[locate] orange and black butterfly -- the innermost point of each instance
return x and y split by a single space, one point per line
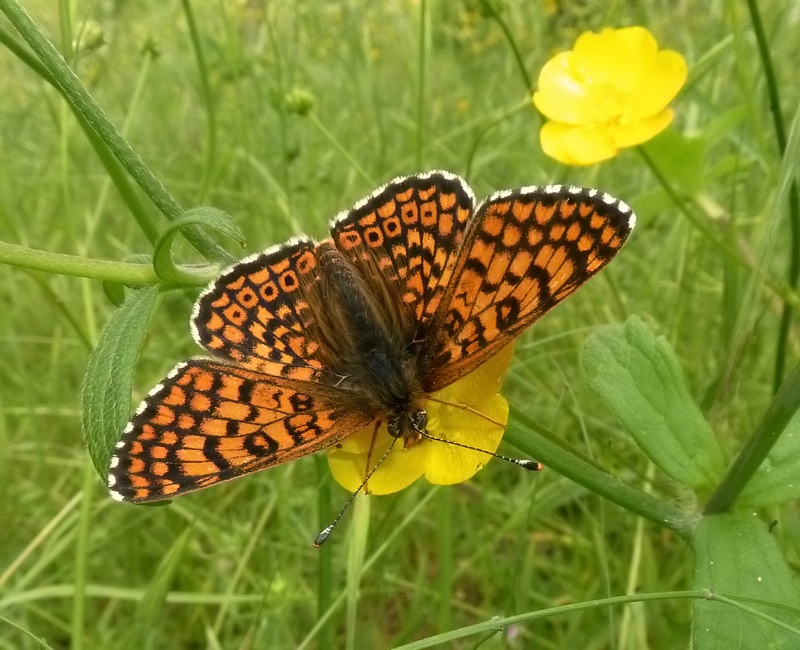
312 342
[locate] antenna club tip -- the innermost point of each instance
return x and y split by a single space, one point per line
532 465
322 537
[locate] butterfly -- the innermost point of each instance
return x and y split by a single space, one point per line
311 342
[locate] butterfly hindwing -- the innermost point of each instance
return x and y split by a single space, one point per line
209 422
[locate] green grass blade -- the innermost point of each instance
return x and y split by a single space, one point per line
771 456
150 611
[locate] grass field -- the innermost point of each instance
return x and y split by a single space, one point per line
220 114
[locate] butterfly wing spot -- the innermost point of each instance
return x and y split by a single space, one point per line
544 213
511 236
268 292
247 298
409 213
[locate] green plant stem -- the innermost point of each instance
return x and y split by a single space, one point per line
389 541
118 176
325 552
65 24
785 404
26 57
793 272
84 267
785 293
488 5
84 105
499 623
61 306
531 439
356 552
79 605
114 169
312 117
421 63
208 102
445 554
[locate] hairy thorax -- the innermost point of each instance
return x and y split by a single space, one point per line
367 352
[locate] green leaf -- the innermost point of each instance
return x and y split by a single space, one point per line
115 292
778 478
108 382
721 125
213 218
637 375
680 158
735 555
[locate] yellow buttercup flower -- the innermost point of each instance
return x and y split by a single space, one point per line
473 417
611 91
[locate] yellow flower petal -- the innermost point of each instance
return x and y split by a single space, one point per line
562 96
615 57
661 82
348 462
610 91
448 464
472 400
577 145
628 135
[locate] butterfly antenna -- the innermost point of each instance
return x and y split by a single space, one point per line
326 532
532 465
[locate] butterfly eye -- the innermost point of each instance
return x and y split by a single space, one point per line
393 427
419 420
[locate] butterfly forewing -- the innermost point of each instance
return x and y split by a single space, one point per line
257 313
405 238
209 422
525 251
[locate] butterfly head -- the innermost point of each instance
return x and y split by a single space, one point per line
409 425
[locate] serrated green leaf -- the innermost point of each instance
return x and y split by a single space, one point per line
735 555
108 382
637 375
207 217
